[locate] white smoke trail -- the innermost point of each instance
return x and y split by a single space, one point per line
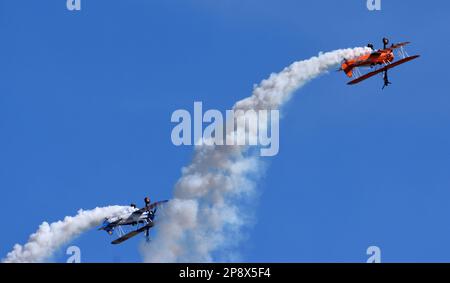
205 214
50 237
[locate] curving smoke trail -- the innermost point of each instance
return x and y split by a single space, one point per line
50 237
204 215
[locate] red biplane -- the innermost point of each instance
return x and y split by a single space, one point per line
382 60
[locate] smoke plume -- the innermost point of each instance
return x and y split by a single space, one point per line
206 214
50 237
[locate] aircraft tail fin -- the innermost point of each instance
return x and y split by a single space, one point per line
349 73
348 70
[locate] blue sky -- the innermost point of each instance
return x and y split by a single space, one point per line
86 99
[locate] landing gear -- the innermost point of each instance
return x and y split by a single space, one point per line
386 80
147 235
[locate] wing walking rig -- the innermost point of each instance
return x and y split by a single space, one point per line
380 60
135 221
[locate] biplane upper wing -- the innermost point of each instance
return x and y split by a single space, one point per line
398 45
372 56
375 54
156 204
132 234
390 66
136 214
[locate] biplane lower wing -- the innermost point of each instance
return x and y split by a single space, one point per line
132 234
390 66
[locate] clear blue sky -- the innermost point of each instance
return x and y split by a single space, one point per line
86 99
